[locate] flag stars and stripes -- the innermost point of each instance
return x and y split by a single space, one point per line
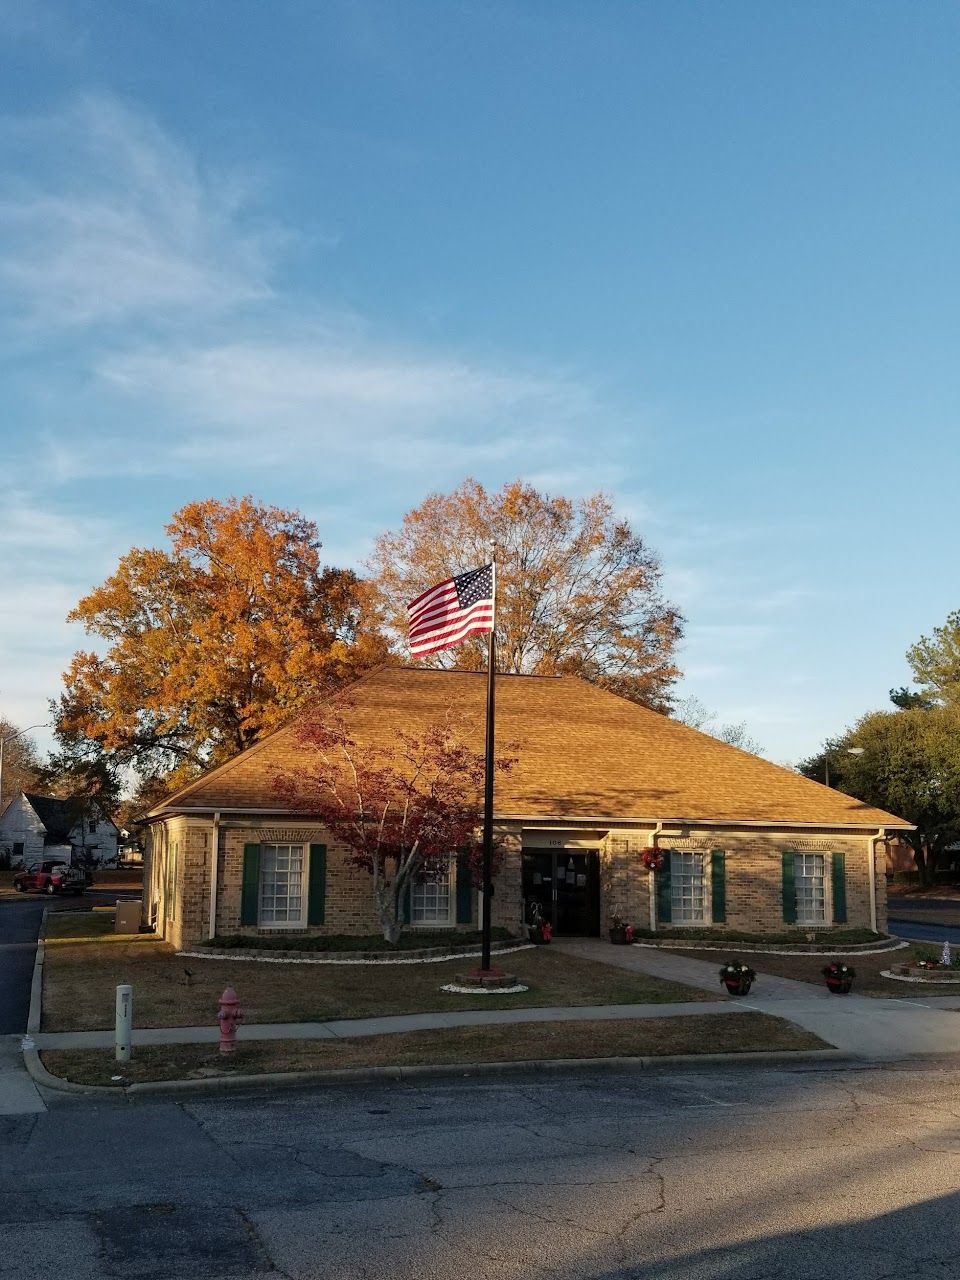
452 610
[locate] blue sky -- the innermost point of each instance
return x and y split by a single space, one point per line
703 256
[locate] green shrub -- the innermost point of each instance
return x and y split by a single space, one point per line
415 940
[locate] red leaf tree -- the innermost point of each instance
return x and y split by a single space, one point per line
401 810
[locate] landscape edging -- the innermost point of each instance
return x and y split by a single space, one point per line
756 949
263 956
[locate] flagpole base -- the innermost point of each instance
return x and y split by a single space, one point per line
487 980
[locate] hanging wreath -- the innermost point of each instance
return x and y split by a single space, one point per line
652 859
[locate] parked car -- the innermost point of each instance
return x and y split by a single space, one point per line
51 877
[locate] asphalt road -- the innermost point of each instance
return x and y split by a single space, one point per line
938 933
731 1173
19 927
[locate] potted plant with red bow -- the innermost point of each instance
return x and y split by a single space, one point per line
621 931
737 977
538 929
839 977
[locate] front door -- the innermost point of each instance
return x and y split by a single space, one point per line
566 885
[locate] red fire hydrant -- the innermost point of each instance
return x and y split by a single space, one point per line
229 1017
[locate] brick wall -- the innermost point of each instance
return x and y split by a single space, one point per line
753 876
754 881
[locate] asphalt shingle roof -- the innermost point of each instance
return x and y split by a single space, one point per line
583 753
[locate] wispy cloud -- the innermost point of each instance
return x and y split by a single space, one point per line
118 222
396 409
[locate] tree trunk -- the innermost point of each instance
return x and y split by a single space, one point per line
924 869
389 896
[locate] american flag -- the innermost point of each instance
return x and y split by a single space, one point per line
452 610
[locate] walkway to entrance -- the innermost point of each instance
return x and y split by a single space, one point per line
865 1026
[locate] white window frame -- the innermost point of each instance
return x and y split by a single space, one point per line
705 862
427 892
827 917
297 922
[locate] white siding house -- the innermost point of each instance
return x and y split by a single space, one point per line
35 827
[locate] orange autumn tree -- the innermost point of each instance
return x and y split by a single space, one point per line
214 641
578 590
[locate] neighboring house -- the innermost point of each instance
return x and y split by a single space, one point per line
746 845
35 827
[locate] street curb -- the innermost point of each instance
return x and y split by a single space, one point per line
440 1071
36 982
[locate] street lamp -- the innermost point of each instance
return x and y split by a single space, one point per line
850 751
12 737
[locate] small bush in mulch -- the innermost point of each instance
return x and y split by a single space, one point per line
415 940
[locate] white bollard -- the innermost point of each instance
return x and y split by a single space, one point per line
124 1035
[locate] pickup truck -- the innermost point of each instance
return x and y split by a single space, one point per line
51 877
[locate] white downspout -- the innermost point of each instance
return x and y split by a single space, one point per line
872 872
214 871
652 844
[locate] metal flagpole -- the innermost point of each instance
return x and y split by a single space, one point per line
488 779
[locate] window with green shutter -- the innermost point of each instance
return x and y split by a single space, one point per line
250 891
789 888
718 886
664 891
465 893
838 872
317 884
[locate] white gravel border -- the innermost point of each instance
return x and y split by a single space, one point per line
483 991
254 959
749 949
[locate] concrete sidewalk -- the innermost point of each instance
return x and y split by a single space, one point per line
860 1025
673 966
19 1096
352 1027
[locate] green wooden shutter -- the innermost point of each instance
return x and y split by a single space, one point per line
789 889
464 890
839 873
664 897
317 884
250 892
718 882
405 909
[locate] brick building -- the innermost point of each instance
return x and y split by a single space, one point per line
745 844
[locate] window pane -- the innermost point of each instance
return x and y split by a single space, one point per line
811 888
687 889
281 884
430 900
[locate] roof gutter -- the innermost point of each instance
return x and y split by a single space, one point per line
214 872
578 820
872 872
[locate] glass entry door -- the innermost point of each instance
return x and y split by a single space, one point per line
566 885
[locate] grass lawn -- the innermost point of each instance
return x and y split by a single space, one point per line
805 968
916 914
654 1037
126 878
80 976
